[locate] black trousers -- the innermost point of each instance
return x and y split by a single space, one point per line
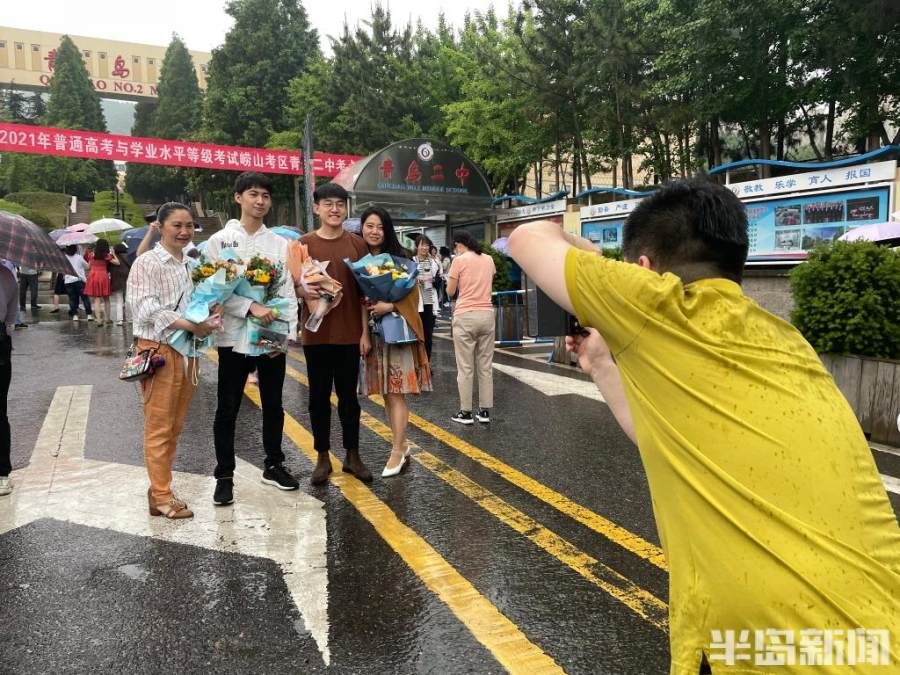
233 370
333 366
26 282
5 377
428 319
75 291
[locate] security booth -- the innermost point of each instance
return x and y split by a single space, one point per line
426 185
523 312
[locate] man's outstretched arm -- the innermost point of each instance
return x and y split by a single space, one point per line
540 249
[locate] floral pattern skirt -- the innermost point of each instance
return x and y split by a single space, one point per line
391 369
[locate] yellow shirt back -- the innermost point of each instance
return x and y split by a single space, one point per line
769 506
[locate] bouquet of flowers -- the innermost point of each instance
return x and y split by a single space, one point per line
384 277
261 282
214 282
309 272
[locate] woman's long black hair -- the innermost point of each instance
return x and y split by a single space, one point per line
101 249
391 243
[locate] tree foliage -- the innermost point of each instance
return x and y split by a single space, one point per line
174 115
270 43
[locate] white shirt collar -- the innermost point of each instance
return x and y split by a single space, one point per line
164 256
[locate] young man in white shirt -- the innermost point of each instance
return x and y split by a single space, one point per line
249 237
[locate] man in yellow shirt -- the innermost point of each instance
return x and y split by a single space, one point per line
783 549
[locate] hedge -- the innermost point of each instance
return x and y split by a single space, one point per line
105 207
35 217
53 206
847 299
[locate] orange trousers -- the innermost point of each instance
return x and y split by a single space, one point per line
167 395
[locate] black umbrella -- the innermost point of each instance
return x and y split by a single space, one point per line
26 244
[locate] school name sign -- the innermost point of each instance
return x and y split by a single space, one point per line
94 145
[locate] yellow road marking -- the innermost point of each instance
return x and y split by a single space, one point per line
581 514
512 649
641 602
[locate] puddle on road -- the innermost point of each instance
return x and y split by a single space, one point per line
135 572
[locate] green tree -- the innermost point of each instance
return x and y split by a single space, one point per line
270 43
37 108
73 104
497 120
175 115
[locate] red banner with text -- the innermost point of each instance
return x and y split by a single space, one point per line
94 145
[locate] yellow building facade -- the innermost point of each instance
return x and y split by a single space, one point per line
117 69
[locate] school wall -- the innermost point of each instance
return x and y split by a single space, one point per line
770 288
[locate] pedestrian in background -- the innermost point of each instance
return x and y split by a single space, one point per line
28 281
427 280
59 290
75 283
395 370
8 294
97 285
446 261
471 278
158 291
118 282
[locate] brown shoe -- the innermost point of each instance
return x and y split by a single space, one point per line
323 469
354 465
174 509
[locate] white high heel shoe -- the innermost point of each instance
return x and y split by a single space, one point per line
387 473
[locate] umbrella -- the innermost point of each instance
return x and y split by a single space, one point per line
883 232
108 225
24 243
75 238
56 234
287 232
502 245
77 227
132 239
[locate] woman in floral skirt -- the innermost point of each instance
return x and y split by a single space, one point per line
394 370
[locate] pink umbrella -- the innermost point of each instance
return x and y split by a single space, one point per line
874 232
77 227
75 238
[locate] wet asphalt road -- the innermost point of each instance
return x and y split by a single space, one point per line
539 524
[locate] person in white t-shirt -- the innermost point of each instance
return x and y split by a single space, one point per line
248 237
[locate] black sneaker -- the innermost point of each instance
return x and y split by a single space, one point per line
279 477
483 416
463 417
224 493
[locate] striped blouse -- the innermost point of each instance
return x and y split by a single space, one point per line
159 288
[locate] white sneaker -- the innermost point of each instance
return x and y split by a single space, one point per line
120 323
74 317
5 486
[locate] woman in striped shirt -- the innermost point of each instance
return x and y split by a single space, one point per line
159 288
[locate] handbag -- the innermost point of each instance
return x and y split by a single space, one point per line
394 330
139 365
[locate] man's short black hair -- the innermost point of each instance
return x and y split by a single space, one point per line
693 228
330 191
252 179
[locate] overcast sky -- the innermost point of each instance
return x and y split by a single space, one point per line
203 23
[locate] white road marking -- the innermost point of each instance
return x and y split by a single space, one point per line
891 484
550 384
287 527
